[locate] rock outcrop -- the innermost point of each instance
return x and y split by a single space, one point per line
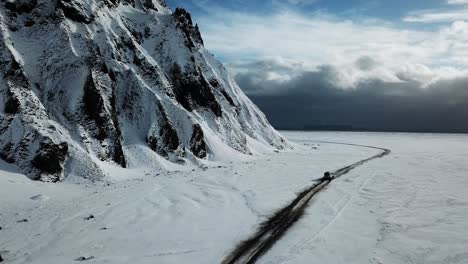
88 82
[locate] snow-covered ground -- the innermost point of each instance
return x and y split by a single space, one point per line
409 207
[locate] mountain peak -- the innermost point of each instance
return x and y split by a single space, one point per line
126 82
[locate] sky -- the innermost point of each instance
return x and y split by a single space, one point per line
395 65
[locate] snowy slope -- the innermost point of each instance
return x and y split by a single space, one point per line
88 83
409 207
174 217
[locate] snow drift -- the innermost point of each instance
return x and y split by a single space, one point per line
90 82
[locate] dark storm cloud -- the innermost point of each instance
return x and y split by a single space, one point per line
366 63
312 100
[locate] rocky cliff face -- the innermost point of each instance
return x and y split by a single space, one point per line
89 82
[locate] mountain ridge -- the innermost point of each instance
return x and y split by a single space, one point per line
126 82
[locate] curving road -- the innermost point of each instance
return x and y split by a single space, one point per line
272 229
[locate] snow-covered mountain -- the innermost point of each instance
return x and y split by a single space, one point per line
85 83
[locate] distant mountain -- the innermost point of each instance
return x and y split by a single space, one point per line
85 83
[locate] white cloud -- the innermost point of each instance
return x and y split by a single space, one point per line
450 14
308 42
457 2
301 2
436 16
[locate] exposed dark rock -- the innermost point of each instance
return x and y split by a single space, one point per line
178 80
197 143
214 83
197 35
12 105
23 221
15 74
89 217
1 259
202 95
185 24
182 16
137 61
104 68
72 12
167 139
14 67
149 4
112 3
128 42
50 158
14 70
6 153
84 258
129 2
94 107
118 154
191 91
20 6
117 102
137 35
228 98
113 75
163 3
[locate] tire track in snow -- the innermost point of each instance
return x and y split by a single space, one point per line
336 214
272 229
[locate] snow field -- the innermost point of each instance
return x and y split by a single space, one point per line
166 217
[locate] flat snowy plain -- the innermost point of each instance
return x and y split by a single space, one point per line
408 207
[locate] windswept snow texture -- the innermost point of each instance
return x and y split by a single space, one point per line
88 83
173 217
408 207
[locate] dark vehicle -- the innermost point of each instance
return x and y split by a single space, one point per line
327 177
